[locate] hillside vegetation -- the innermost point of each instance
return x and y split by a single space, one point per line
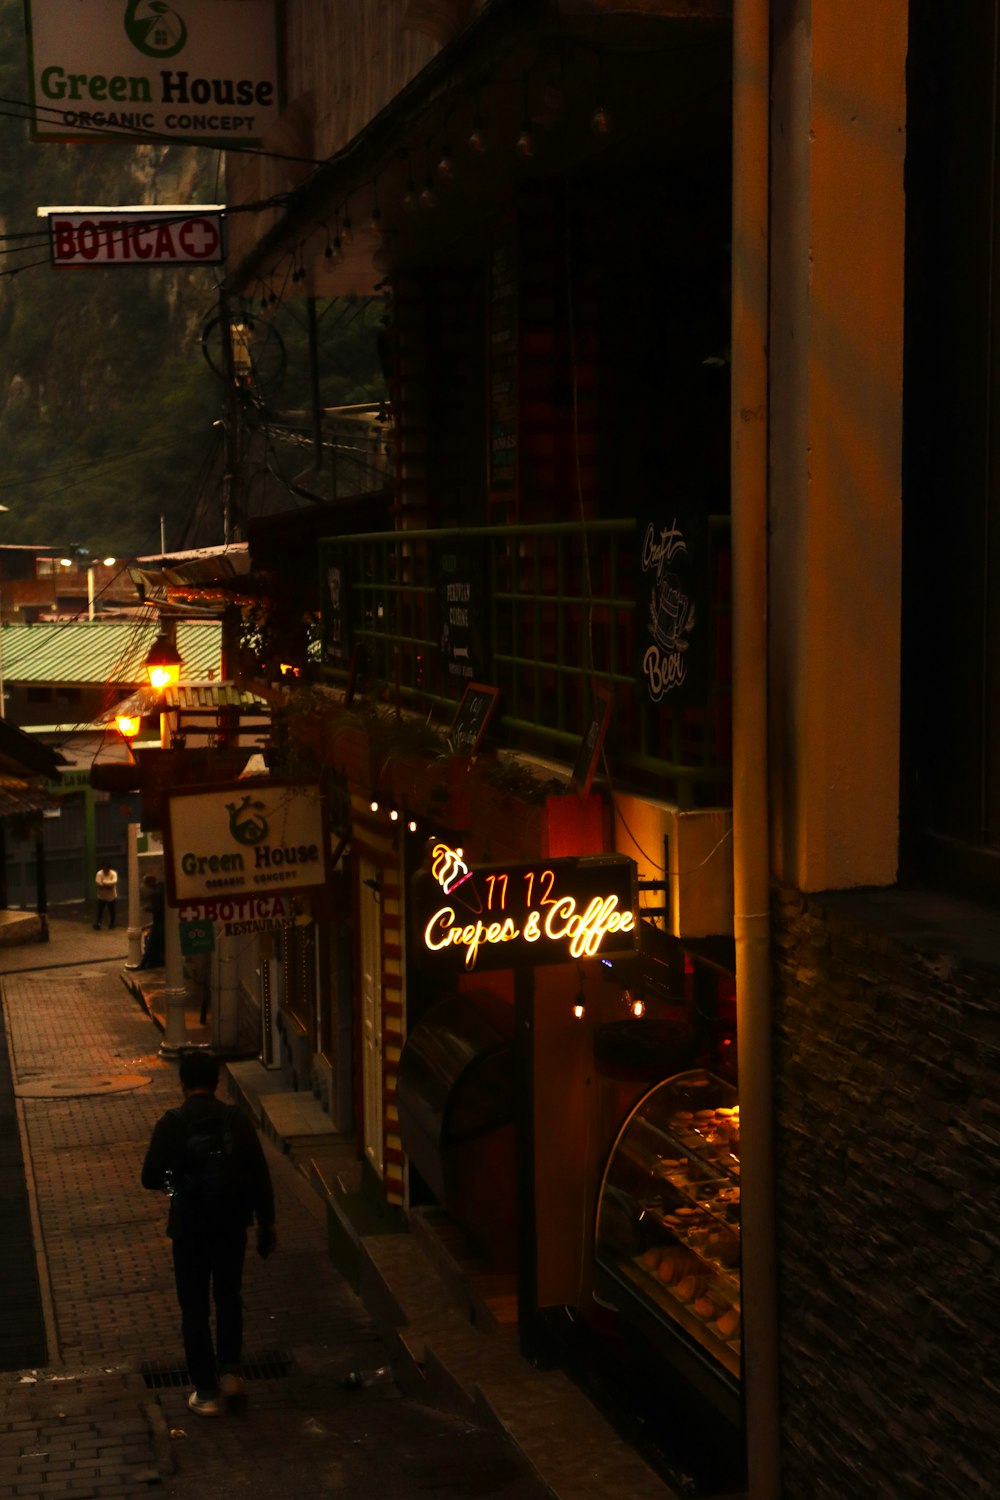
109 411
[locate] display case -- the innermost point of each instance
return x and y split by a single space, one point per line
667 1245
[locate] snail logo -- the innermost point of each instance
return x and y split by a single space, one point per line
154 28
247 823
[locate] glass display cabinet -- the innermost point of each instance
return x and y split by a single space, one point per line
667 1246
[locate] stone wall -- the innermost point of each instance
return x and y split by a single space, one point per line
887 1072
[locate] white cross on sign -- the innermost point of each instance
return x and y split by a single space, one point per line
130 237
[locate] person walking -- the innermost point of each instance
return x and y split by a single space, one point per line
106 881
208 1157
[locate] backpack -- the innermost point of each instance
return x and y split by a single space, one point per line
208 1180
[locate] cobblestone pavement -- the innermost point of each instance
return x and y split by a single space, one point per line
90 1084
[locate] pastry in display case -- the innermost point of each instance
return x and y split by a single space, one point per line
668 1217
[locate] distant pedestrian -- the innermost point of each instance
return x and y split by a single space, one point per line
106 881
208 1156
154 902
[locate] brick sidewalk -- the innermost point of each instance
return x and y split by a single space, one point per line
92 1423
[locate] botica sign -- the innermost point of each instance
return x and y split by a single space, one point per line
251 839
199 71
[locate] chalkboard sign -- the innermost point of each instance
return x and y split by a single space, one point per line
474 713
592 742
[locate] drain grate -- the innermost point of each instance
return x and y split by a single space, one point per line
162 1374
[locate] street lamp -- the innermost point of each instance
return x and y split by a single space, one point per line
127 726
163 663
108 562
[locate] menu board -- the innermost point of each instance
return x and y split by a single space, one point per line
503 361
463 607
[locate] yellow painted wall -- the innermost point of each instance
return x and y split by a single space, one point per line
838 142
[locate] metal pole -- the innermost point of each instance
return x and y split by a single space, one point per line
134 900
175 1036
231 529
40 886
527 1212
751 824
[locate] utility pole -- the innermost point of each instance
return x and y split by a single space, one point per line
232 530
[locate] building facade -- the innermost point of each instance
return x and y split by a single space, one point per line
671 313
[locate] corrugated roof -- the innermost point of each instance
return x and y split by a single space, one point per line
186 697
102 651
18 796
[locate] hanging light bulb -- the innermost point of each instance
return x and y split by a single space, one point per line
638 1009
374 804
375 224
600 121
525 145
412 825
394 815
346 228
427 197
477 135
579 1008
446 165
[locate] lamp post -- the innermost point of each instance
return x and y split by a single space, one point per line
163 668
108 562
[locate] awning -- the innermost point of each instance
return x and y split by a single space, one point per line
18 797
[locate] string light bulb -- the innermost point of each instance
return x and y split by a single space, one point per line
579 1009
346 228
374 805
477 135
600 121
446 165
525 145
638 1009
427 198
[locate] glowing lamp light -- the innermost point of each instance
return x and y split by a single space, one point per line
127 725
638 1008
394 815
412 825
579 1009
163 664
374 805
600 122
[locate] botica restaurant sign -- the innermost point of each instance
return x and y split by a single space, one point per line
196 71
253 838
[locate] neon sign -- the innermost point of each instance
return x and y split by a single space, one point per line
502 916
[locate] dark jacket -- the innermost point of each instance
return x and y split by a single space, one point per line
166 1154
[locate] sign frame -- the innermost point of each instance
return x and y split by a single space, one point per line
219 85
524 916
243 865
592 743
121 236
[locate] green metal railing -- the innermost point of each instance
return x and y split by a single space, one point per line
560 619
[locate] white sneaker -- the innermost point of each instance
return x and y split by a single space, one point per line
205 1406
232 1385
